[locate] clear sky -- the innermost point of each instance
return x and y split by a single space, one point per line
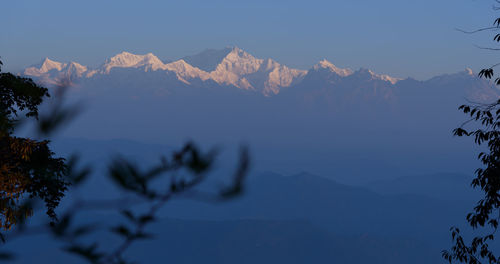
397 37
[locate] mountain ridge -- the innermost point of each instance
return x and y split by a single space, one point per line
231 66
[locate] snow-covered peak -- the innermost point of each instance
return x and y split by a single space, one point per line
56 73
245 71
179 65
324 64
79 70
76 67
239 62
280 76
388 78
48 64
234 66
230 66
185 71
44 67
129 60
469 71
270 64
374 76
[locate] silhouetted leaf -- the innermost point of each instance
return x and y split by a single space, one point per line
486 73
5 256
121 230
146 219
497 37
88 252
497 22
129 215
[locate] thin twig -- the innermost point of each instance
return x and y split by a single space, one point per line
477 30
486 48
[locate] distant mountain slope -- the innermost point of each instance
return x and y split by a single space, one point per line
264 241
247 242
341 209
401 227
400 213
445 186
208 59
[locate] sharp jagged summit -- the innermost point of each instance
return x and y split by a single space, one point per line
324 64
231 66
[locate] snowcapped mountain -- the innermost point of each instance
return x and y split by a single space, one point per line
208 59
229 95
237 70
185 72
324 64
129 60
244 71
55 73
228 67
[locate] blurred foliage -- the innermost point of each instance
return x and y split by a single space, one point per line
28 168
142 184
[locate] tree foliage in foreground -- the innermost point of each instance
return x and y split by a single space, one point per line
484 126
486 213
27 166
28 171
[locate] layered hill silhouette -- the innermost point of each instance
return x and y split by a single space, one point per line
251 241
298 218
339 208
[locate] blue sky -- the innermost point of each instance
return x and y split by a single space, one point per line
397 37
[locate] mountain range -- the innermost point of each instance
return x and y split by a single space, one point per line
234 71
227 67
230 66
295 218
348 125
326 118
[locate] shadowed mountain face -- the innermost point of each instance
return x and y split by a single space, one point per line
208 59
